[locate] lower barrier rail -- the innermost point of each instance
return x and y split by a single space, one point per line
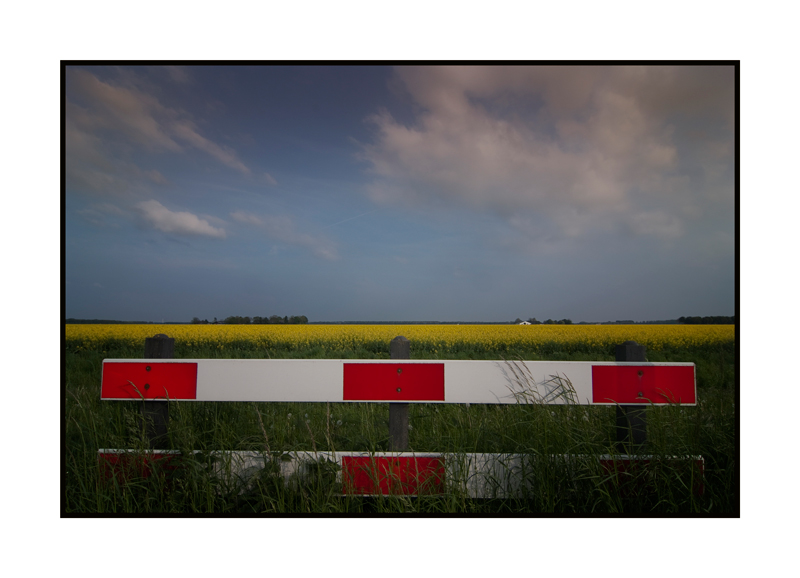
473 475
631 384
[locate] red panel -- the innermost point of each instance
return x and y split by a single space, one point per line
394 381
149 380
643 384
388 475
128 465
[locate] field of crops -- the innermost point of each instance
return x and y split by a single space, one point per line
429 340
707 429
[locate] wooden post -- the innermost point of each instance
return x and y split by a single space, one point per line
399 348
155 413
631 419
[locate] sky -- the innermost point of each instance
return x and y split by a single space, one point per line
409 193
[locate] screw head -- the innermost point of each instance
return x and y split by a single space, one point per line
147 368
399 370
147 386
398 389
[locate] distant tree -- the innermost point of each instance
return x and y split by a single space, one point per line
196 320
517 321
534 321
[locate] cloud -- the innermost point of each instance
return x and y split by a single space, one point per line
159 217
108 123
92 167
269 179
243 217
283 229
179 74
657 223
101 214
609 142
156 177
187 131
139 117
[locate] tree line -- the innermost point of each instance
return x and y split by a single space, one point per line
237 320
709 320
714 320
534 321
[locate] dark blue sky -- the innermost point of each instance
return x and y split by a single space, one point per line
411 193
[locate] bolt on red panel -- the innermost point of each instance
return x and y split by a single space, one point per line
149 380
393 382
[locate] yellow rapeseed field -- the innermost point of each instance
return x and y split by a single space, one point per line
434 338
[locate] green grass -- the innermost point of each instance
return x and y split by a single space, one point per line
553 485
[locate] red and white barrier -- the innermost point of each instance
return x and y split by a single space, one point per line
404 381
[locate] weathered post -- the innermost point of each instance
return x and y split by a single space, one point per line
399 348
631 419
155 413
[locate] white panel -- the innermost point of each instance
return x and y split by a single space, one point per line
315 380
513 381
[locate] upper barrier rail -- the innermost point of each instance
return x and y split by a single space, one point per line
400 381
